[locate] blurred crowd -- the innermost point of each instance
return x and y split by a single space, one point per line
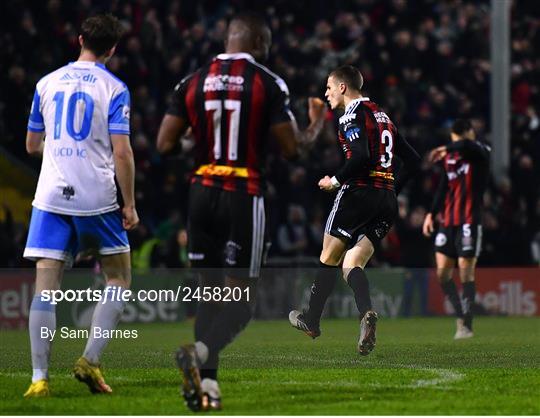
426 62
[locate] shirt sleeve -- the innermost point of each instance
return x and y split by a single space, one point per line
359 151
177 105
472 150
119 110
440 194
35 121
280 103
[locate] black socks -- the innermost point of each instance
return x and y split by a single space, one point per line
206 314
358 282
232 319
321 289
469 293
450 290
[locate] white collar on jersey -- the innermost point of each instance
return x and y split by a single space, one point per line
354 102
236 56
87 64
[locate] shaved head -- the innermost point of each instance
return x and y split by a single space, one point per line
249 33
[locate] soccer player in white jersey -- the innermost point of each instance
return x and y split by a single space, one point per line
79 122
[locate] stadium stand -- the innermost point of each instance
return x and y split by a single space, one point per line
425 61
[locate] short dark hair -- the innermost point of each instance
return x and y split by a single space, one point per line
254 20
101 32
350 75
461 126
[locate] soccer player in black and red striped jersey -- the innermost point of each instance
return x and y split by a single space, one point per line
236 108
465 164
365 206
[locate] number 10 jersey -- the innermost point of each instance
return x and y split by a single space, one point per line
78 107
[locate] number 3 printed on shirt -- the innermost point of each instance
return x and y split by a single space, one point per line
216 107
388 141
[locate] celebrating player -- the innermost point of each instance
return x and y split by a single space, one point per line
235 107
365 206
465 164
79 122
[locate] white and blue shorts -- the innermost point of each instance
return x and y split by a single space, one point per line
62 237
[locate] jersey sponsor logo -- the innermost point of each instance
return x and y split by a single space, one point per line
88 78
440 240
463 169
353 133
381 117
347 118
223 82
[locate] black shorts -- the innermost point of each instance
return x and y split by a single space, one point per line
226 229
459 241
362 211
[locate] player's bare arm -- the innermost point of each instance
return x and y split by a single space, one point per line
171 129
437 154
316 113
290 137
125 174
327 185
427 227
34 143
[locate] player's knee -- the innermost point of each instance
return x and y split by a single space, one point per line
347 269
444 275
329 259
124 282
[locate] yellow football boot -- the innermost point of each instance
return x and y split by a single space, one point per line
89 373
39 389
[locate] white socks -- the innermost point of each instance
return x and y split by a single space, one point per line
106 316
41 324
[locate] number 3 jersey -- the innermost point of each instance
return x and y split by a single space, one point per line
370 142
78 107
230 105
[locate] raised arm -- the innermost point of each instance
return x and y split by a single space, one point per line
283 126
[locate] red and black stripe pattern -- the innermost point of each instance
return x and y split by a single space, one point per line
377 129
463 200
230 105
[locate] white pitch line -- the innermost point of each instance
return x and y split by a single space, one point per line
67 376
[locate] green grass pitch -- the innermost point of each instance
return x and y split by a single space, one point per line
271 368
